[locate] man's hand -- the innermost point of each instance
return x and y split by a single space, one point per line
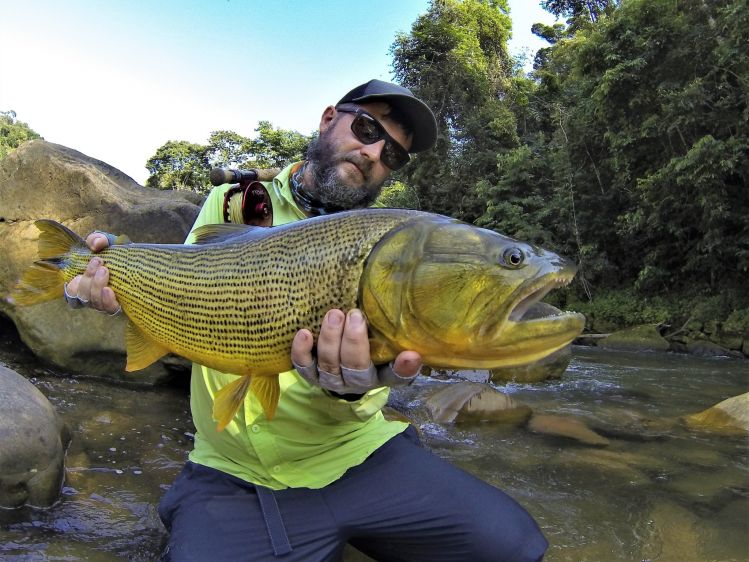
91 289
343 363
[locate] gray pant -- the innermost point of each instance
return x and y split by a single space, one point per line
402 503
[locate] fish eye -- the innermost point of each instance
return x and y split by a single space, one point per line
513 257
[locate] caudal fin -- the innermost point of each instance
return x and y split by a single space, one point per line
44 280
230 397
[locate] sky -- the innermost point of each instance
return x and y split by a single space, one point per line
116 79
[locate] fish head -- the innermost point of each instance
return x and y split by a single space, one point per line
458 295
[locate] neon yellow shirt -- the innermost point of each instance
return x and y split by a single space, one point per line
313 438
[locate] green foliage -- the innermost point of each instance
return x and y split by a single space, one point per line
455 58
184 165
645 116
615 309
737 322
398 195
179 165
13 133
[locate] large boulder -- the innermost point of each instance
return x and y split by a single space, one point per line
637 338
729 416
33 439
45 180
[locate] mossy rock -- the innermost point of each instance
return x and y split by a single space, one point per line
637 338
550 367
707 348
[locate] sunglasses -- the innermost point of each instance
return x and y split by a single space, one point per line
369 131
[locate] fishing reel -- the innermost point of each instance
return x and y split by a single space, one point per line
248 201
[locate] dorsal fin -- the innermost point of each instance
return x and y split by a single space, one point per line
213 233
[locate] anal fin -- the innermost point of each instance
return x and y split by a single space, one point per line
228 399
268 391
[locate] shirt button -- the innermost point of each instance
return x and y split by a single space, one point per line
276 468
255 428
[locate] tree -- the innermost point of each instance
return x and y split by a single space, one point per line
455 58
184 165
13 133
646 118
179 165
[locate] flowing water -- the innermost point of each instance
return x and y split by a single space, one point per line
657 492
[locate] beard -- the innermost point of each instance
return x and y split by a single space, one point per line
330 188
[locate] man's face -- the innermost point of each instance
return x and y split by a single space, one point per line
348 174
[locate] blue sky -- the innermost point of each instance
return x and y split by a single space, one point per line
117 79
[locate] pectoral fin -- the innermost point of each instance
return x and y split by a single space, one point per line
141 351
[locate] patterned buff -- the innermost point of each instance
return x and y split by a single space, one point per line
307 202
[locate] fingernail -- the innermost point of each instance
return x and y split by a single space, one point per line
332 318
100 273
355 317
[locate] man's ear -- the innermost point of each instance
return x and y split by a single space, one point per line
327 118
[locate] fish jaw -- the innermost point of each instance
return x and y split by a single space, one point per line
518 335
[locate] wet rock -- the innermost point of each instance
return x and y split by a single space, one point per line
45 180
615 467
729 416
467 401
707 348
571 428
673 533
636 338
33 439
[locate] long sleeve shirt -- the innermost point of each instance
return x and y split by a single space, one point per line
314 437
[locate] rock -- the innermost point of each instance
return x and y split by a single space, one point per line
636 338
707 348
550 367
33 439
729 416
467 401
561 426
45 180
673 533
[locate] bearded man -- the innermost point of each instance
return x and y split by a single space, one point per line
329 469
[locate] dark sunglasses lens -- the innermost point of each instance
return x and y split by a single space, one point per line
369 131
393 156
366 130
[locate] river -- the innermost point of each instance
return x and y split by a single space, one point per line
657 492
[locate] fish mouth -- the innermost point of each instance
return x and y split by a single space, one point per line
530 329
533 293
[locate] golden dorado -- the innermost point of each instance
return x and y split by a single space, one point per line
234 301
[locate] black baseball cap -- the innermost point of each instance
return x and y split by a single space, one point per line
421 120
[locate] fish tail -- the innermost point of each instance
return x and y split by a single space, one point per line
44 280
230 397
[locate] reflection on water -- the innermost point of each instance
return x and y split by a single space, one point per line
658 492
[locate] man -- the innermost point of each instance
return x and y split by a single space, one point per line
329 469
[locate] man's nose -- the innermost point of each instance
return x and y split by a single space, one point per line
372 151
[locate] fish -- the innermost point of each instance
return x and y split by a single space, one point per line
234 300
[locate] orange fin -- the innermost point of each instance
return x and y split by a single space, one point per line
228 400
141 351
268 391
